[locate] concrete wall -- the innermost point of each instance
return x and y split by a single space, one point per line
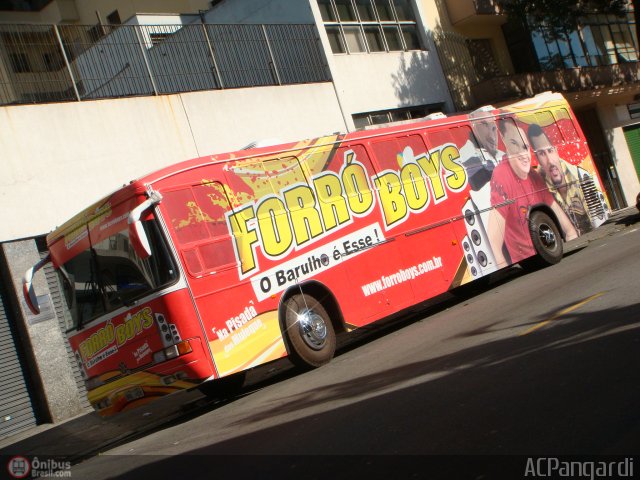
58 158
401 79
58 396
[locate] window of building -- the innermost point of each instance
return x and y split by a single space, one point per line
599 40
20 62
23 5
634 110
52 61
96 32
362 120
114 18
158 37
367 26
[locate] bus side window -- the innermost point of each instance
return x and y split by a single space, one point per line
214 205
395 153
284 172
548 123
184 215
250 181
445 162
387 155
197 215
566 126
408 158
389 159
357 177
317 160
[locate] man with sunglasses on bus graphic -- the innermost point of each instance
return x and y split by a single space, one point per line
514 189
562 183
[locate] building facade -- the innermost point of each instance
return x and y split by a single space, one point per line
489 58
92 12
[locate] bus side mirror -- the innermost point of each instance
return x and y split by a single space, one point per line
139 239
28 292
137 235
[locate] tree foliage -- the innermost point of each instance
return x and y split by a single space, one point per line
555 17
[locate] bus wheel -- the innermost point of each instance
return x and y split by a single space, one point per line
546 240
310 334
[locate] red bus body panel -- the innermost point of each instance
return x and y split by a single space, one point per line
382 219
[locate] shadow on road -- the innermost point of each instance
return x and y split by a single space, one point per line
548 398
629 220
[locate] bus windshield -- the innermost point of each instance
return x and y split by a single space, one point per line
110 274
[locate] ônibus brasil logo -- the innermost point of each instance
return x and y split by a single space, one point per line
19 467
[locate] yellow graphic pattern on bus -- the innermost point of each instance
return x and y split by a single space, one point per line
247 340
283 202
302 213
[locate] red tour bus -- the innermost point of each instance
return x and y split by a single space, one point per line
213 266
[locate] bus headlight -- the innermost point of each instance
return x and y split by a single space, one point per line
171 352
102 404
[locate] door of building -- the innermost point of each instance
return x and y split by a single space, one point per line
17 412
632 135
590 123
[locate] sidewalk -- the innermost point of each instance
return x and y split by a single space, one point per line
89 434
619 220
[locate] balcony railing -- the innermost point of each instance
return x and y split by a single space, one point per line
507 87
52 63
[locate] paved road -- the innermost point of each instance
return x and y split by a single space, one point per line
540 363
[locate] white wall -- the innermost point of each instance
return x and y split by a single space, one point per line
58 158
368 82
364 82
377 81
613 118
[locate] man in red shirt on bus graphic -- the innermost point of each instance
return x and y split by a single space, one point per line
514 180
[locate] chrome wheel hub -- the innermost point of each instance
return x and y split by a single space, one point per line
312 328
547 237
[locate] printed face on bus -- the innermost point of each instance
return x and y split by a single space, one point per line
548 157
517 148
486 132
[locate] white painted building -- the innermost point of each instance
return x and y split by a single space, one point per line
381 58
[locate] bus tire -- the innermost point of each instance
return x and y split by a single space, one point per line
309 332
546 239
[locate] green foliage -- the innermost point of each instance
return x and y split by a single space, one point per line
557 16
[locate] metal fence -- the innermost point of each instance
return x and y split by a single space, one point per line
52 63
457 64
